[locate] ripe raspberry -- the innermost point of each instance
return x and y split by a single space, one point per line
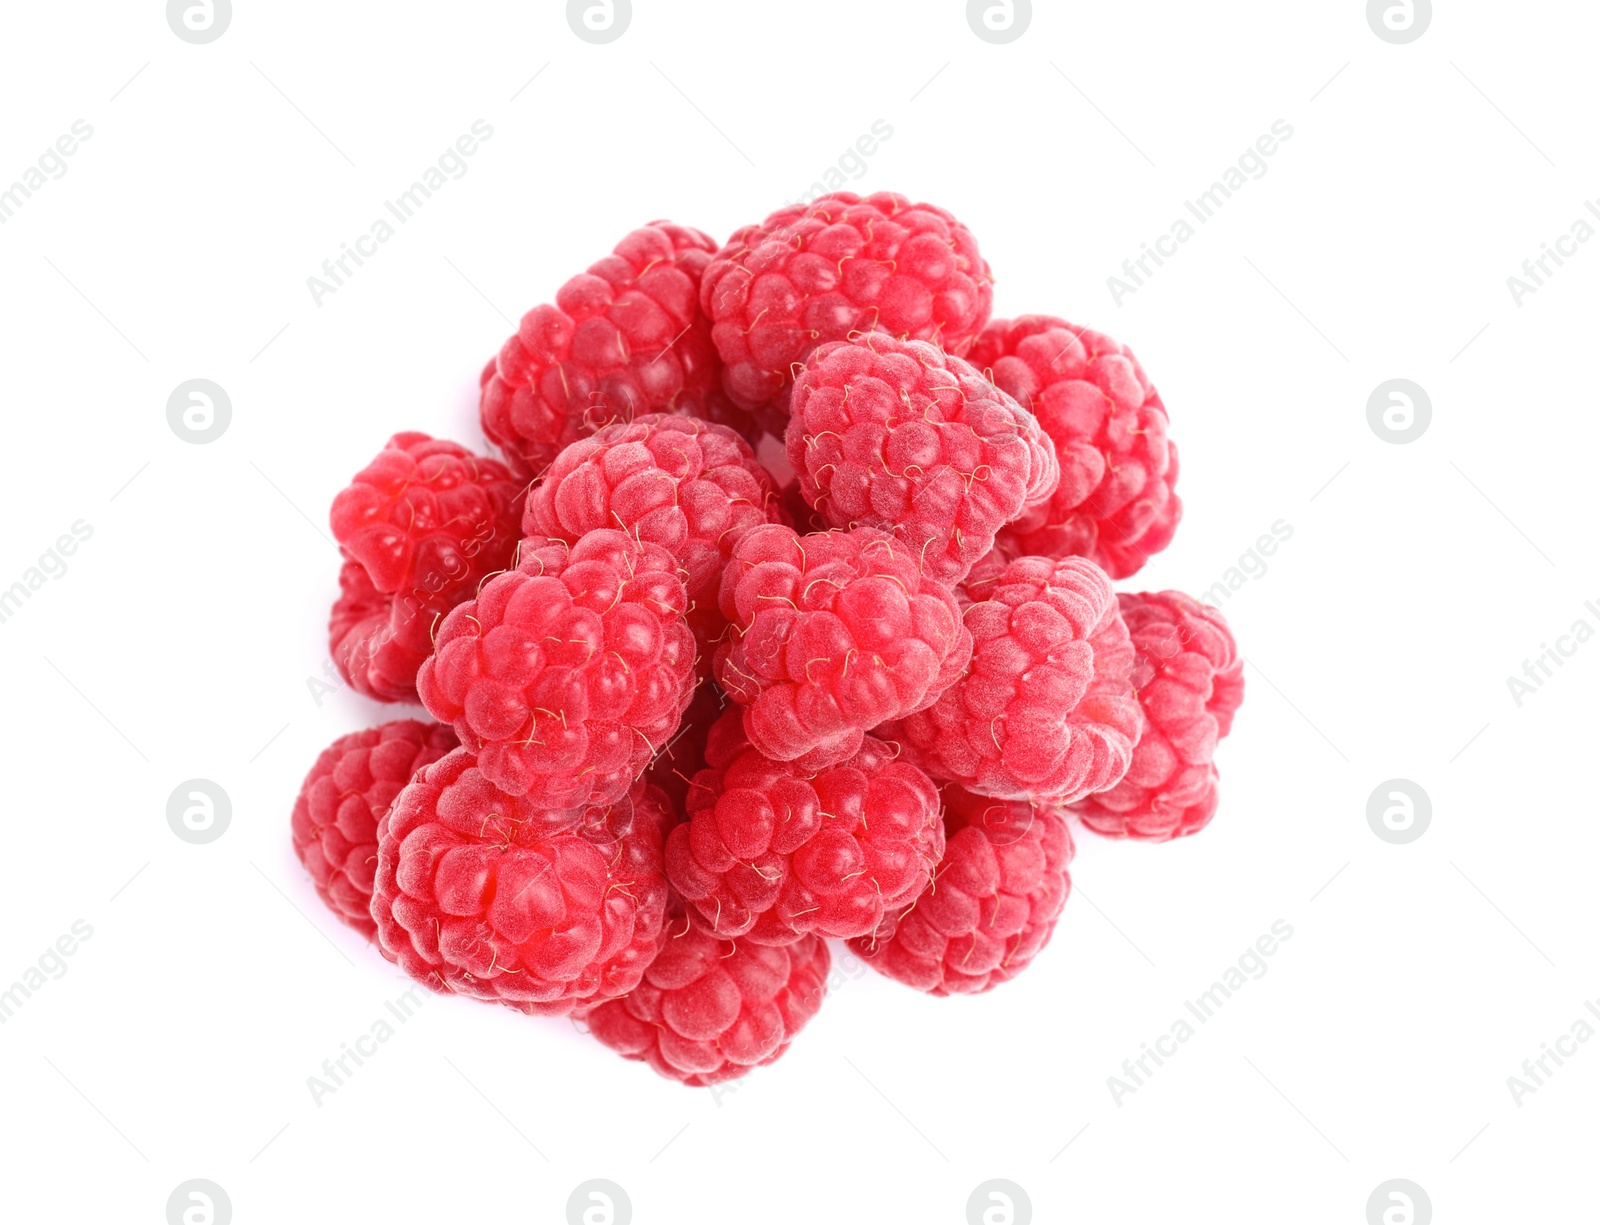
832 634
352 784
811 273
993 903
1190 680
690 486
626 337
566 674
376 642
895 435
709 1010
487 894
1046 711
775 852
1115 503
420 527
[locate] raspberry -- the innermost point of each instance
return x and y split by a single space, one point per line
709 1010
486 894
693 487
895 435
1190 680
420 527
993 903
567 673
352 784
626 337
1046 711
776 852
377 643
811 273
832 634
1115 503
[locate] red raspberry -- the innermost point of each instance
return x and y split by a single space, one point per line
626 337
1190 679
709 1010
566 674
377 643
693 487
811 273
776 852
420 526
487 894
832 634
993 903
1115 503
352 784
1046 711
895 435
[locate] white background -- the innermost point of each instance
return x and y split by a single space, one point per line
1418 578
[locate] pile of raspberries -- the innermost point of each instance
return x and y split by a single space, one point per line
694 712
